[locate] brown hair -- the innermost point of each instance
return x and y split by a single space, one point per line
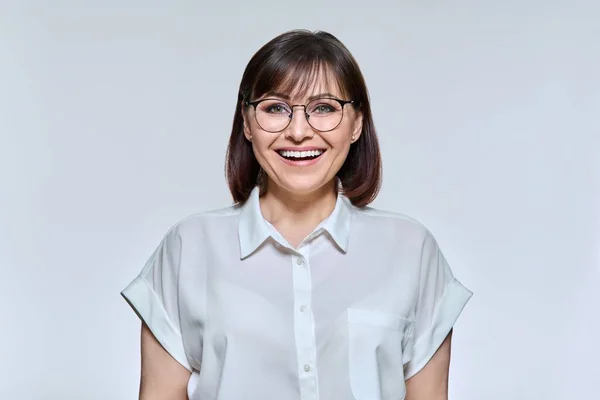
293 61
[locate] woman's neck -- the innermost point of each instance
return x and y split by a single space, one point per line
296 216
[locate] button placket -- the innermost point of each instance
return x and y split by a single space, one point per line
304 327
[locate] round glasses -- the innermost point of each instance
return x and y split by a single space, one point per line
322 114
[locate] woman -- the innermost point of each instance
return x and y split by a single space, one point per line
299 290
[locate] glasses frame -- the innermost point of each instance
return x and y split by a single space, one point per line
255 103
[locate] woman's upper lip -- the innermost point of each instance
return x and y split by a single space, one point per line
306 148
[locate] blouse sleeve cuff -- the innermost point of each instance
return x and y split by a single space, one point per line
144 301
454 300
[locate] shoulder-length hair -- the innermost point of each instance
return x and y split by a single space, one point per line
294 61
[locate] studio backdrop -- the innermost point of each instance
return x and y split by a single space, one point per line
114 121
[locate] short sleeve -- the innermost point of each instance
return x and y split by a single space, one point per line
153 295
440 301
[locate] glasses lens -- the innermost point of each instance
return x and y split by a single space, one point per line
324 114
273 115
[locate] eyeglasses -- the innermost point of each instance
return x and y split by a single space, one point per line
323 114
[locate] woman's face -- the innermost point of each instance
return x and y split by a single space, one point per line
301 159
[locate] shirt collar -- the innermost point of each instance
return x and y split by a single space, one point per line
253 230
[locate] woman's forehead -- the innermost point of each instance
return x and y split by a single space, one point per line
302 86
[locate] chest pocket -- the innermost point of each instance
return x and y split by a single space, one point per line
378 348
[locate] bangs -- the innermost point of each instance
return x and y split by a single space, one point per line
298 77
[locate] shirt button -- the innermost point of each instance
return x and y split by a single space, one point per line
302 308
306 367
299 261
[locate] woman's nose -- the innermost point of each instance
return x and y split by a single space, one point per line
299 128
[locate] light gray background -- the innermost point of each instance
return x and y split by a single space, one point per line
114 119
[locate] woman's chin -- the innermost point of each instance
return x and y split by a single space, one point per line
304 187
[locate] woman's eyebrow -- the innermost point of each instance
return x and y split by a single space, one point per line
321 95
276 94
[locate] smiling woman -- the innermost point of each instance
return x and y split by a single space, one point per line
298 290
304 91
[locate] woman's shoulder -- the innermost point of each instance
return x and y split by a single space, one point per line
212 220
376 218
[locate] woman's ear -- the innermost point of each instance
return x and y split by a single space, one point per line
357 127
246 123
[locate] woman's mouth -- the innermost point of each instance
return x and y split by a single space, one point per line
300 157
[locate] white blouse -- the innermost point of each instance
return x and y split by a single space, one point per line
359 307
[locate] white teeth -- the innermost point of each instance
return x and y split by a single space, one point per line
301 154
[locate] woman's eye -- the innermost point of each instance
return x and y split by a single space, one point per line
323 109
276 109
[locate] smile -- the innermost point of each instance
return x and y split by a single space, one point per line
300 157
